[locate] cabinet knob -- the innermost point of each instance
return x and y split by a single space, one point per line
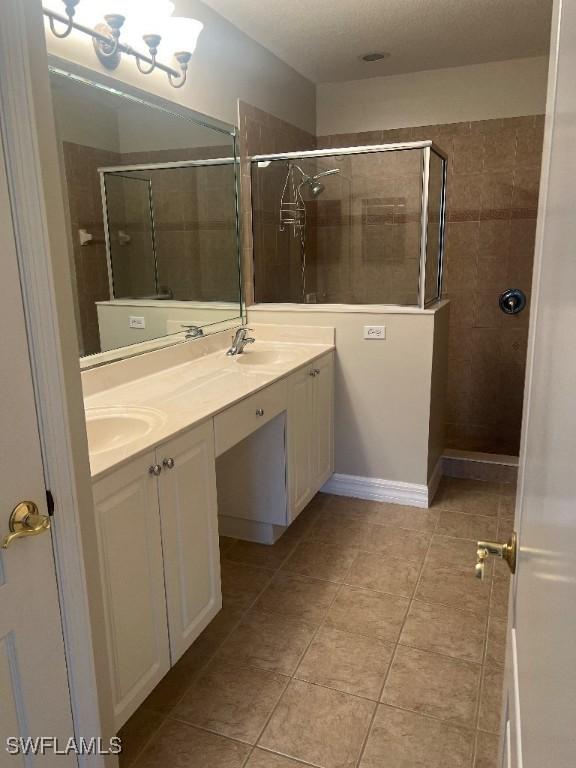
316 371
259 412
155 469
169 463
312 372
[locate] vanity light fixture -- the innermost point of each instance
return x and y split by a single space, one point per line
118 26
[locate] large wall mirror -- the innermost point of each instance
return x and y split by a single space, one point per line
152 200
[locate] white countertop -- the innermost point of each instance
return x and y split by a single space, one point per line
181 396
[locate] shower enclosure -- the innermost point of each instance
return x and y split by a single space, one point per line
170 230
354 225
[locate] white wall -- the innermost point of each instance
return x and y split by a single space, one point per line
385 402
479 92
97 127
141 129
227 66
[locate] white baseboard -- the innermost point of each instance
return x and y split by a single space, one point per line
392 491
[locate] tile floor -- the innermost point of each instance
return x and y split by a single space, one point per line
361 639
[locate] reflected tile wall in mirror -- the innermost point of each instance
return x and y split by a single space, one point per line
172 231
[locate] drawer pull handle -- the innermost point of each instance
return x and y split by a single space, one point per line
169 463
259 412
155 469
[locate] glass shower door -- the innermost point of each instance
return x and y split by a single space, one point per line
131 245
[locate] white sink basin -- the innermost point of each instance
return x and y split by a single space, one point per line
259 357
112 427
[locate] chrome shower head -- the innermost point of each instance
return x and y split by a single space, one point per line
316 187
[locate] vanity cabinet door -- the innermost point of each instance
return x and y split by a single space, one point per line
132 580
322 422
299 453
189 517
310 432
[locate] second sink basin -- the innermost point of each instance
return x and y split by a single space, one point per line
112 427
265 357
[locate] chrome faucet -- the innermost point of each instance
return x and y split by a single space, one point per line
240 340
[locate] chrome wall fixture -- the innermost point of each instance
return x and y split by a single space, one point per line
116 26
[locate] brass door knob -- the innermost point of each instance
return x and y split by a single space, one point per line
507 552
25 520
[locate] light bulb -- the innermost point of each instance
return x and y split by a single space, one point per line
92 12
146 21
180 33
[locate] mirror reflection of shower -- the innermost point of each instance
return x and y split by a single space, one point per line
293 207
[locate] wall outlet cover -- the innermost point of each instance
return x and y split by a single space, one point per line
136 322
375 332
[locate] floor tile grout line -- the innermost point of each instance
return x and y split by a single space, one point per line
289 757
314 635
485 652
273 572
376 708
197 674
291 677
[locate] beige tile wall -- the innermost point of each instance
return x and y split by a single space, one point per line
85 207
272 256
493 184
492 199
195 223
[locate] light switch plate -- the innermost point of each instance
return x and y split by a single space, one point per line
136 322
375 332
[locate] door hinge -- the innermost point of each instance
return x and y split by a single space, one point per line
50 503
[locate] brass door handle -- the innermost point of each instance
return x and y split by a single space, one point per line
507 552
25 520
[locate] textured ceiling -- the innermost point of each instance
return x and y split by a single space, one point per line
323 39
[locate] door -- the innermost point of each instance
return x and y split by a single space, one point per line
299 452
132 581
540 677
34 698
322 420
189 515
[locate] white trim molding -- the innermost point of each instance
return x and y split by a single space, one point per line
22 64
377 489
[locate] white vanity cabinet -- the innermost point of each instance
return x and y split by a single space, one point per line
310 437
256 465
157 535
189 515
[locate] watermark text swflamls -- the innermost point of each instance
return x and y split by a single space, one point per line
51 745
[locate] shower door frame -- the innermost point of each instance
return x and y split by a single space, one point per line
118 169
427 147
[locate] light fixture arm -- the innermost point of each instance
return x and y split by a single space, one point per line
152 42
183 58
70 10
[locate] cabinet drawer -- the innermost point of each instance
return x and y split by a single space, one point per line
239 421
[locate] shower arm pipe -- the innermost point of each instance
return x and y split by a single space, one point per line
307 178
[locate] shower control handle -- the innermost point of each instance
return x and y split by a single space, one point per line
512 301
